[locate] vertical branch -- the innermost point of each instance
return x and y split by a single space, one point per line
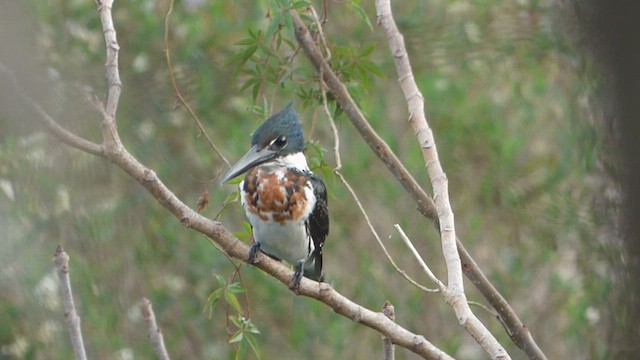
61 260
388 349
109 129
155 335
454 294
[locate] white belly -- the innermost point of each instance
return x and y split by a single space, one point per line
288 241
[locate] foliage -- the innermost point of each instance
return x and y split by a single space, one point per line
508 96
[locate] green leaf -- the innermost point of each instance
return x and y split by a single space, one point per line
238 336
231 197
300 4
221 280
251 340
273 26
363 15
235 288
249 83
232 300
247 41
367 50
212 300
236 321
371 67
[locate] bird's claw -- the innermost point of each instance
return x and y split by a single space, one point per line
253 251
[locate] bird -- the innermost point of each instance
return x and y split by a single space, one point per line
285 203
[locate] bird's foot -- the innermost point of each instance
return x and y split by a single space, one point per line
253 251
297 277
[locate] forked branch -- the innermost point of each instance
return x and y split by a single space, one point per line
426 205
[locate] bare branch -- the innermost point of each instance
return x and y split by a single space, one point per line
344 99
422 263
155 334
61 260
110 136
388 349
520 334
343 180
454 292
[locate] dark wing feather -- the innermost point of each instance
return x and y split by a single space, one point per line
318 222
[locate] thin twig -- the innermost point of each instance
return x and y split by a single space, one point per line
423 264
343 180
176 89
155 334
484 307
58 131
61 260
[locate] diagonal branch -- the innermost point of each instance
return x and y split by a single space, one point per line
58 131
516 329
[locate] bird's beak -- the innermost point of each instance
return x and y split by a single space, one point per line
253 157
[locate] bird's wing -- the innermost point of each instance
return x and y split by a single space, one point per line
318 222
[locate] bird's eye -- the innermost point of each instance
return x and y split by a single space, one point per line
280 142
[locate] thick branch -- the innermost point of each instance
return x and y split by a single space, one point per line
61 260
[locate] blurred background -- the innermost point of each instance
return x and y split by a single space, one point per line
519 119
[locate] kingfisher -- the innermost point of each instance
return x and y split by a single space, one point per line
285 203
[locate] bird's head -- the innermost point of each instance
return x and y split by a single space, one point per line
280 135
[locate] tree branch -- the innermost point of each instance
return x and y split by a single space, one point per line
388 349
426 206
418 120
58 131
155 334
454 292
61 260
